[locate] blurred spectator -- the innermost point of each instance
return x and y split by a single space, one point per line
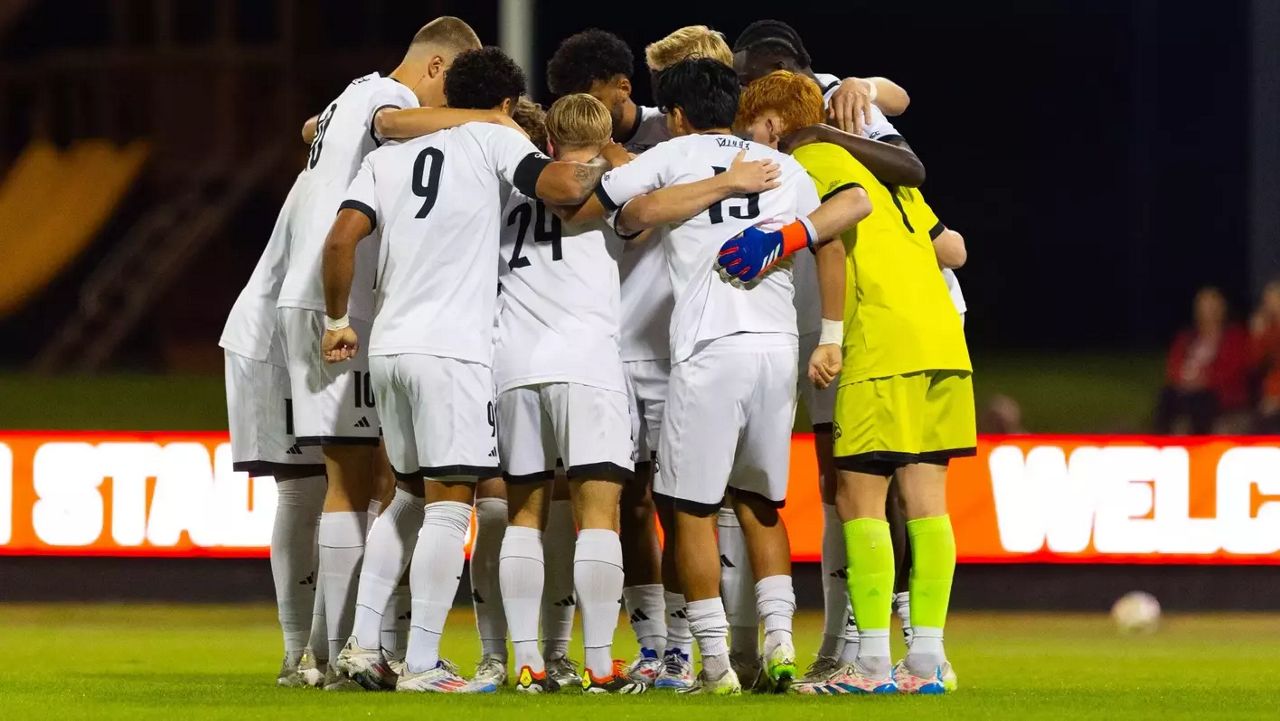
1207 373
1002 415
1265 328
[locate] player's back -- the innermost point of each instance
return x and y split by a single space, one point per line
559 305
707 307
344 136
437 200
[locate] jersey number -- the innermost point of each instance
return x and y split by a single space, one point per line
317 145
543 232
751 210
427 188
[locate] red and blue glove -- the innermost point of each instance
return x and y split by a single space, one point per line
754 251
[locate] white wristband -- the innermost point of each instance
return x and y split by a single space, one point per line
808 226
337 323
832 332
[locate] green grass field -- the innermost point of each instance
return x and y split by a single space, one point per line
192 663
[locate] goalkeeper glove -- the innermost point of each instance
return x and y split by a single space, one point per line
750 254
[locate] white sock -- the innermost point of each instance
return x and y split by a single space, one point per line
387 552
710 626
873 652
341 536
926 653
737 585
647 612
433 579
835 583
557 597
319 642
375 510
849 651
777 606
597 581
395 623
902 607
486 591
522 573
293 557
679 637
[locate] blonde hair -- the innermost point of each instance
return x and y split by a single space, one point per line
578 121
530 116
691 41
448 32
795 98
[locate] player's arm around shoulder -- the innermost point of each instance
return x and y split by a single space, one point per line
677 203
891 164
400 123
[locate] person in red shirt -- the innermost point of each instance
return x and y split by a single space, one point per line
1207 372
1265 357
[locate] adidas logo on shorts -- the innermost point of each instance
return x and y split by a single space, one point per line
363 422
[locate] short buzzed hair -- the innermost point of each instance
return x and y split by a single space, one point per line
691 41
578 120
447 31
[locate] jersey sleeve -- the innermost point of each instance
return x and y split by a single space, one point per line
880 128
360 193
388 94
642 175
920 214
832 169
511 155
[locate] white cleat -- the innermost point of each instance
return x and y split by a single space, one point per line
490 675
310 670
823 669
677 671
442 678
288 676
750 672
645 668
726 685
365 666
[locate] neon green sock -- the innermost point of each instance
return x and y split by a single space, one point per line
870 553
933 566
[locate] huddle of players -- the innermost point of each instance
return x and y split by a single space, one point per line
616 320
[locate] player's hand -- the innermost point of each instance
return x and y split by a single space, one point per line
615 154
751 176
754 251
824 364
339 345
501 118
850 107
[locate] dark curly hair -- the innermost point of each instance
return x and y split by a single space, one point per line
586 57
705 89
481 79
776 38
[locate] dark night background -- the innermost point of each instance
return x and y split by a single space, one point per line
1094 153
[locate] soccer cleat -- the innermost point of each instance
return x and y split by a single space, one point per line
288 675
616 682
726 685
780 667
366 667
334 681
750 672
949 681
850 681
929 685
527 681
646 667
677 671
490 675
823 668
564 671
310 670
441 678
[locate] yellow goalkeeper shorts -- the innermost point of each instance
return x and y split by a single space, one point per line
924 417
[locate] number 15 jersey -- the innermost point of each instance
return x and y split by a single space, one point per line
559 307
435 201
707 307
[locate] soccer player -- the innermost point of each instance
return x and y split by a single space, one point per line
260 417
431 342
904 404
732 390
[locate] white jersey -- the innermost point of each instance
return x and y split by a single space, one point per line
344 136
707 307
251 325
646 286
878 129
436 203
558 308
953 289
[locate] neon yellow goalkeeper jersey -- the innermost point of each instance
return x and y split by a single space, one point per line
898 317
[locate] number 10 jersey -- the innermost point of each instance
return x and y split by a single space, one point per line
559 301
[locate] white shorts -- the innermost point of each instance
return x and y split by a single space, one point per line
332 404
260 417
646 394
438 416
587 429
728 422
819 402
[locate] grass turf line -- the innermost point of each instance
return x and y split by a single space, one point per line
192 663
